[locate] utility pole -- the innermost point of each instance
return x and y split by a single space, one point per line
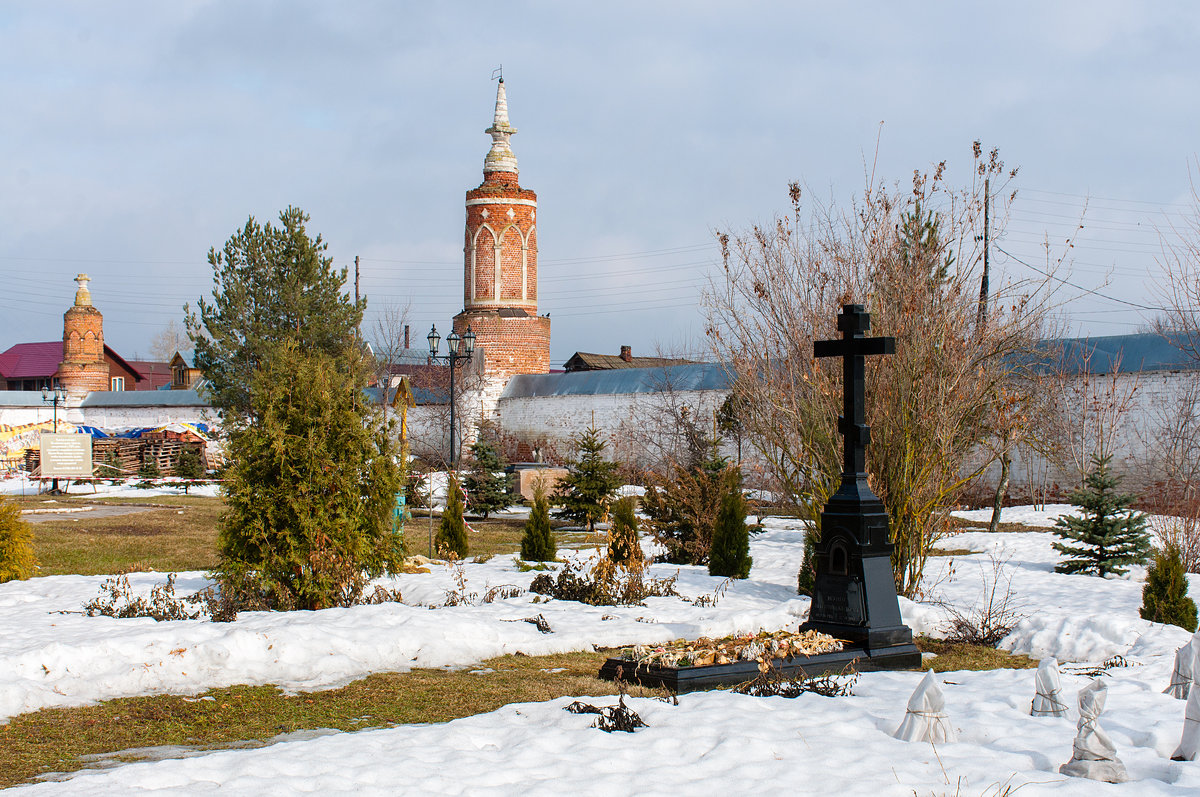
356 279
983 284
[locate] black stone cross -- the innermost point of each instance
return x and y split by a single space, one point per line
853 348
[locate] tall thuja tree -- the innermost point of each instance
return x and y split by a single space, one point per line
1109 536
309 488
271 284
730 552
452 531
486 484
583 495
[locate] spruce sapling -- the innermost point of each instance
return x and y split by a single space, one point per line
591 480
1110 535
1165 598
487 486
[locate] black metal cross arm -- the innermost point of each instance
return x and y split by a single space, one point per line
853 348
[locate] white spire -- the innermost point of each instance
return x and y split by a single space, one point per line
500 158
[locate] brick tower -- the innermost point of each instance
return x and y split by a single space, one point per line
83 367
500 269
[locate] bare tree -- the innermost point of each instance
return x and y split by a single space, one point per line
1180 292
168 340
912 257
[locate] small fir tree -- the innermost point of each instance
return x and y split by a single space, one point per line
486 484
1165 598
189 466
149 470
585 492
1110 534
683 511
17 560
623 545
730 552
537 543
452 532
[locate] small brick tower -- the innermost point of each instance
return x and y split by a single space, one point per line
83 367
500 269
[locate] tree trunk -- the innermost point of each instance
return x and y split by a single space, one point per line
1001 490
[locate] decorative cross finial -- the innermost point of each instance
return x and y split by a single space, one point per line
853 348
500 158
83 297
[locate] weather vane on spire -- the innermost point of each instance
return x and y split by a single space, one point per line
498 72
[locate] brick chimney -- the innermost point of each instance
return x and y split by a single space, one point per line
627 353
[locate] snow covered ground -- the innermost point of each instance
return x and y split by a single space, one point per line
50 654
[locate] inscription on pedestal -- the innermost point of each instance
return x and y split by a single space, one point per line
840 600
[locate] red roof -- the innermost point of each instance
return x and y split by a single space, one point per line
155 373
31 360
41 360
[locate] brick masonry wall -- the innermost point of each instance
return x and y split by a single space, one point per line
499 209
84 367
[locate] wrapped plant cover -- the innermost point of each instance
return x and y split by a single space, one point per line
1093 754
1047 700
926 720
1183 672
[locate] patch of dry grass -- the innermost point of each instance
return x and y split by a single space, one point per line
961 656
57 740
182 535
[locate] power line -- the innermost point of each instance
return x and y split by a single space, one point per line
1080 287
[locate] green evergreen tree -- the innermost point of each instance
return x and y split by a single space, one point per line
585 492
683 511
1109 535
271 284
623 545
17 559
806 579
537 543
452 531
1165 598
309 487
486 484
730 552
189 466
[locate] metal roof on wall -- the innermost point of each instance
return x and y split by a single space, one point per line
143 398
694 376
1125 354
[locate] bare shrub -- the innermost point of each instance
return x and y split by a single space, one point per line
989 619
912 256
607 584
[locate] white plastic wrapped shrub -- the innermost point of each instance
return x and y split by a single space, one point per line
1183 671
1047 698
926 720
1093 754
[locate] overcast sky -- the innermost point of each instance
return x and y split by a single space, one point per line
136 135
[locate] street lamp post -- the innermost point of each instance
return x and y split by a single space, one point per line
455 361
56 396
